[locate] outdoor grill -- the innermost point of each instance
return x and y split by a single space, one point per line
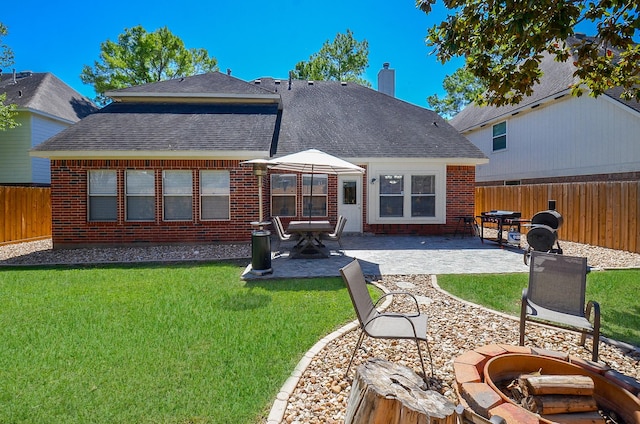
543 233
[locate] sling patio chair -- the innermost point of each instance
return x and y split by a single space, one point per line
556 297
383 325
337 232
283 236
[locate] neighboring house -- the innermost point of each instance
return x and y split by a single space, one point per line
553 136
162 163
45 106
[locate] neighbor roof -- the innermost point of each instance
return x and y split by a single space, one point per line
343 119
556 81
45 93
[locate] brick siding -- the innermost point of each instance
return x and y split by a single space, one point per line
71 228
69 202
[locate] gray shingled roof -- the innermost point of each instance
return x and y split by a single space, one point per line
213 82
46 93
615 93
170 127
557 78
350 120
346 120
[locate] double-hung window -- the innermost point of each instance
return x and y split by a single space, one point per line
140 192
500 136
177 191
423 195
214 195
413 193
315 188
103 195
391 196
283 194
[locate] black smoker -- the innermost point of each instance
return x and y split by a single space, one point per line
543 233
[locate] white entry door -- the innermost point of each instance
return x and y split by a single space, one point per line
350 202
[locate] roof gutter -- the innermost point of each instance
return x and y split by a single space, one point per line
157 155
522 109
45 115
194 97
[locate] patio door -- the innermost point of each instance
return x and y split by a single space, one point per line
350 201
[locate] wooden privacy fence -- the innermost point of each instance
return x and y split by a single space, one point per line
26 213
603 214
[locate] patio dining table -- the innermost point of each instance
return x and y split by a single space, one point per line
310 243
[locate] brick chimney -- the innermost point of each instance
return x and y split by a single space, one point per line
387 80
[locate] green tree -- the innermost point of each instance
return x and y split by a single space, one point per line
462 88
344 59
504 41
7 111
140 57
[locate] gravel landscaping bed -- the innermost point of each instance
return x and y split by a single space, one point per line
455 326
41 253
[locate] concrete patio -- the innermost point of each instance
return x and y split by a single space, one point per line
402 255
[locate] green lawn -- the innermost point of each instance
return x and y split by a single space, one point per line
154 344
616 291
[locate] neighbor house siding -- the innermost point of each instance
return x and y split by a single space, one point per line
16 166
71 228
42 129
568 137
15 163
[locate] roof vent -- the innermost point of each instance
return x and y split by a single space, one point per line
310 82
276 82
343 83
257 82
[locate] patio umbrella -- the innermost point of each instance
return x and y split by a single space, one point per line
314 161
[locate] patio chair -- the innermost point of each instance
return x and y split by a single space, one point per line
556 297
283 236
337 232
383 325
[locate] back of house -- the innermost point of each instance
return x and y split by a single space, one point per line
162 162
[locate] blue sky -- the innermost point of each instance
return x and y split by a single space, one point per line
253 39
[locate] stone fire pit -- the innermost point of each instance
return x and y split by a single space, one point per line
479 373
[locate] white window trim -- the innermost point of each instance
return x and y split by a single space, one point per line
165 195
227 194
295 194
312 195
90 195
407 170
506 131
126 195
